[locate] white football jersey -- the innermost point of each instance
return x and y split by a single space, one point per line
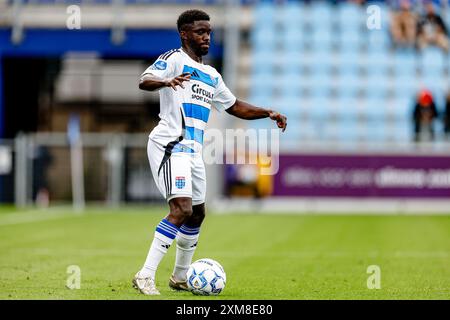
185 112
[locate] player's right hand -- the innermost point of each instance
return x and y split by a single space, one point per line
178 81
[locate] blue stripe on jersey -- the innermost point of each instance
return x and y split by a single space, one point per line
182 148
196 111
194 134
196 74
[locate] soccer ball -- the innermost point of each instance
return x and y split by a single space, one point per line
206 277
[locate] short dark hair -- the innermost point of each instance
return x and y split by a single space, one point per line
190 16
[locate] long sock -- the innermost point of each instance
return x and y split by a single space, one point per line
187 239
164 235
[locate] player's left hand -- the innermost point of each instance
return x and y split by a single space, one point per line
280 119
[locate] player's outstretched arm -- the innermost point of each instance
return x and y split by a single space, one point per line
244 110
150 82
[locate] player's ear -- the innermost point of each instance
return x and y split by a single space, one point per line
183 35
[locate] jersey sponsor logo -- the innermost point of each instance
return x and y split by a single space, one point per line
180 182
159 65
201 94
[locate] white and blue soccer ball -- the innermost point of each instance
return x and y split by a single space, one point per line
206 277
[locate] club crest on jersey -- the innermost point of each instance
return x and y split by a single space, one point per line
159 65
180 182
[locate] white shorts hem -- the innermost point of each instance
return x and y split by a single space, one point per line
173 196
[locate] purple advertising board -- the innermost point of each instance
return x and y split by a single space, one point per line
339 175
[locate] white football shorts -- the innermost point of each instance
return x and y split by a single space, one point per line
177 173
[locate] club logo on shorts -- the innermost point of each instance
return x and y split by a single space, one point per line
180 182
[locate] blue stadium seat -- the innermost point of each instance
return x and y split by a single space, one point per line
322 39
349 84
375 109
264 38
405 62
320 14
378 40
402 131
378 83
439 99
262 86
377 60
307 130
347 109
444 83
375 131
305 105
401 108
320 108
292 39
431 79
404 87
330 132
262 98
432 58
290 106
350 39
290 62
262 59
321 63
350 15
349 60
438 127
264 14
290 85
348 130
320 83
349 48
289 13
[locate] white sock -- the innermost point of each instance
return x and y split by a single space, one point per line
187 239
164 235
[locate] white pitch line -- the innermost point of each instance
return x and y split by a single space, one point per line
35 215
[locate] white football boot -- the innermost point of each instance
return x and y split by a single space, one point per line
145 285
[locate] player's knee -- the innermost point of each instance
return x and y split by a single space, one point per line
186 212
181 209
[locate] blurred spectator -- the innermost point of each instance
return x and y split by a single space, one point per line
431 29
447 116
404 25
424 114
42 159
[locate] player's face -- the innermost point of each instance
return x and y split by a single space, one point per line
198 37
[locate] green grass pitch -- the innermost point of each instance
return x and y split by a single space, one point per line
265 256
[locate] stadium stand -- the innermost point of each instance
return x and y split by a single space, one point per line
334 77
